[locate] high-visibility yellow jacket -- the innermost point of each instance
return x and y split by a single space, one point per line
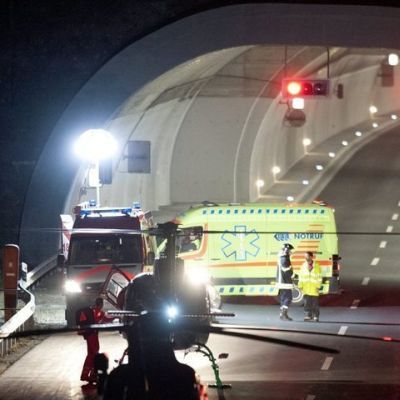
310 280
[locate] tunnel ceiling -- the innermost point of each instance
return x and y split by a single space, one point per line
244 71
245 74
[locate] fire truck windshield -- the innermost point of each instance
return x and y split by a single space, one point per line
100 249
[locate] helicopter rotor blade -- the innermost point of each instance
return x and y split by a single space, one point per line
268 339
52 331
239 331
156 231
305 332
210 329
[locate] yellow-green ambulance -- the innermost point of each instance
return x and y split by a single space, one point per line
237 245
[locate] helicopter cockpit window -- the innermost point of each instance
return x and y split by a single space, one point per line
190 239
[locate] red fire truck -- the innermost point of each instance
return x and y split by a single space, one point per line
95 242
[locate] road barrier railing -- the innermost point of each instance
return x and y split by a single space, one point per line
23 318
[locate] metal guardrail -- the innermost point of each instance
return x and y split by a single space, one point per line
32 277
23 319
18 322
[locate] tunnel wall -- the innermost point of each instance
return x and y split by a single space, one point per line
216 148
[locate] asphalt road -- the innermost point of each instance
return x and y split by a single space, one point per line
366 196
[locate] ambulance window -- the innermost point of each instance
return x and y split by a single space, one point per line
307 211
204 212
228 211
276 211
220 212
268 211
236 211
322 211
291 211
259 211
283 211
190 240
251 211
244 211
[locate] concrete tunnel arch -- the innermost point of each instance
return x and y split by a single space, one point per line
151 57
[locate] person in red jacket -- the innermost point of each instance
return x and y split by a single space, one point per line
87 316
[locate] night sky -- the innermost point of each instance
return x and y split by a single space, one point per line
49 49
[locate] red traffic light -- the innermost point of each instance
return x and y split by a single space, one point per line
293 88
305 87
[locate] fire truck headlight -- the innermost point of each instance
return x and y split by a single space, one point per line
198 275
72 286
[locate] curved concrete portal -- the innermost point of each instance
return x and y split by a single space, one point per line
205 92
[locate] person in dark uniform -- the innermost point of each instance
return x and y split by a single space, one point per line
285 280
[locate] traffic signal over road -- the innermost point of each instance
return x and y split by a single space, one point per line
305 87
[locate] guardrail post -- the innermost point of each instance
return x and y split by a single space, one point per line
10 279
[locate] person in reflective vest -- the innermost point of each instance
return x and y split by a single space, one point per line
310 280
285 280
87 316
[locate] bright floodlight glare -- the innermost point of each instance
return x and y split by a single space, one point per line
198 275
172 311
358 133
332 154
393 59
298 103
305 182
306 142
373 109
276 170
72 286
375 125
394 117
95 144
345 143
319 167
290 198
260 183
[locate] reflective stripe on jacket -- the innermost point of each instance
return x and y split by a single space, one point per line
310 281
284 271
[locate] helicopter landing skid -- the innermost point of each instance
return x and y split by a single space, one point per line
206 351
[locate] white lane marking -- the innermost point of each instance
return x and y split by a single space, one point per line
342 330
383 244
311 397
355 304
327 363
395 217
375 261
365 281
389 229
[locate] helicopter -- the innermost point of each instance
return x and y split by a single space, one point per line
160 314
